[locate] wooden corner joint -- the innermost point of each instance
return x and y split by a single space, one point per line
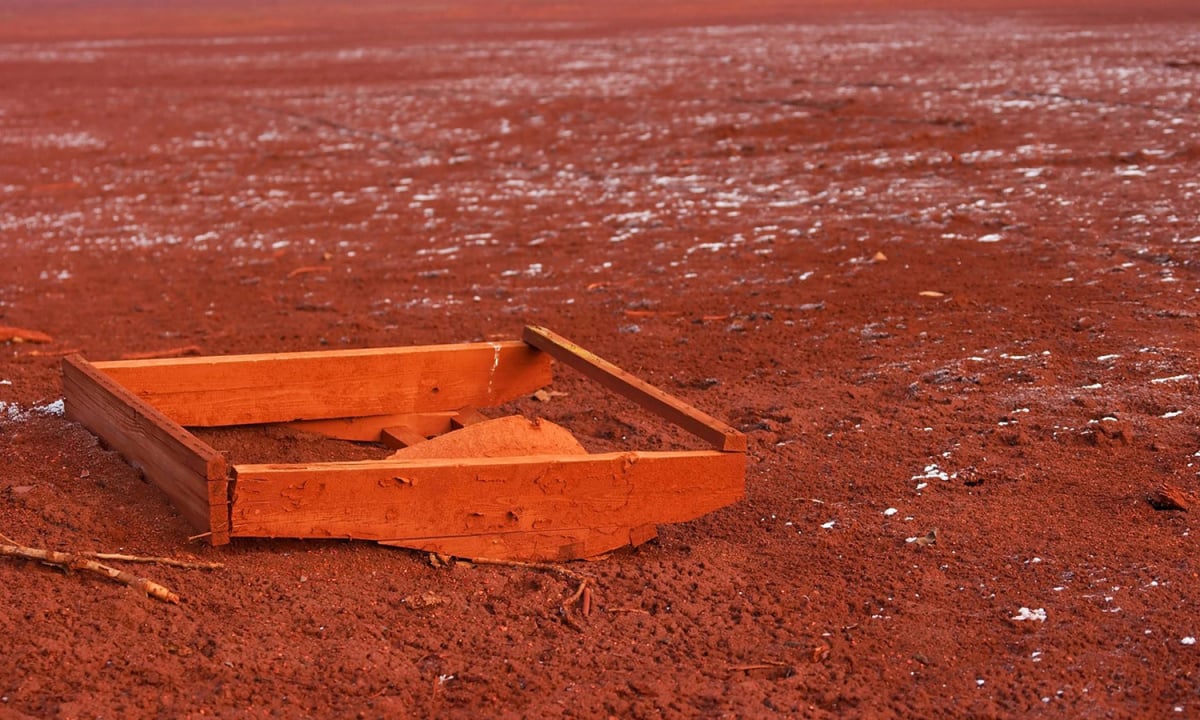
192 474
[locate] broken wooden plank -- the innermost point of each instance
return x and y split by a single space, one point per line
721 436
191 473
400 436
467 416
367 429
285 387
396 500
534 546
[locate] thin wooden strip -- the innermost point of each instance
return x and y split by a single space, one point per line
285 387
191 473
721 436
367 429
393 500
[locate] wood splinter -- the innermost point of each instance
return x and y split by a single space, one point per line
1168 497
10 548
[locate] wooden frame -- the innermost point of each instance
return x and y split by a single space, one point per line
530 507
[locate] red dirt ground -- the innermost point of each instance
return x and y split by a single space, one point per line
749 207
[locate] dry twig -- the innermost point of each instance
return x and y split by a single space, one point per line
55 353
175 352
583 586
582 594
23 335
11 548
172 562
307 269
543 567
764 665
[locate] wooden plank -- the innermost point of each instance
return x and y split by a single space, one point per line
642 534
284 387
721 436
368 429
192 474
400 436
399 501
533 546
467 416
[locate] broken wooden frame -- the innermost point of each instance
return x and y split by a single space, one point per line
530 507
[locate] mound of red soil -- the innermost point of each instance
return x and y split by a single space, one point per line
508 436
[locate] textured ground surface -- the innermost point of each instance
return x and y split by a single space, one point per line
943 268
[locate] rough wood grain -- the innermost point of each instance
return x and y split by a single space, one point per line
284 387
489 497
721 436
191 473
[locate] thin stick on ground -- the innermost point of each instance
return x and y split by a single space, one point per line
172 562
764 665
577 595
544 567
583 591
11 548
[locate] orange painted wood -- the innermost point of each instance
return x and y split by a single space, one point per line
400 436
721 436
368 429
467 416
533 546
191 473
284 387
642 534
398 501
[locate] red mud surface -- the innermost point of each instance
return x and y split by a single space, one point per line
942 267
